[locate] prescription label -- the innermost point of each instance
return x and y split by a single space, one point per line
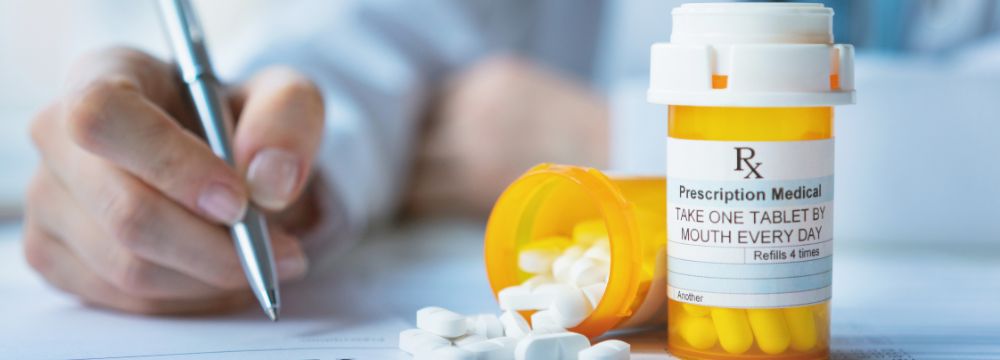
750 224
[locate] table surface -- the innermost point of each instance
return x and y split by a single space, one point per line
888 303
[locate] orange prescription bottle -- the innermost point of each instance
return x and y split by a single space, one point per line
750 89
579 204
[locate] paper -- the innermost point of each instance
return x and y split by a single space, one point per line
922 301
354 310
889 303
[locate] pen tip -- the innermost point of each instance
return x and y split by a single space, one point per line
272 313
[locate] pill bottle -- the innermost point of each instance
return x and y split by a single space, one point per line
750 89
551 199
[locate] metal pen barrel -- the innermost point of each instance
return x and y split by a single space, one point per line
250 236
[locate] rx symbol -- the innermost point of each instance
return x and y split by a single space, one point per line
743 157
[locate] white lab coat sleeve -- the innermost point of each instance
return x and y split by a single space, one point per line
377 62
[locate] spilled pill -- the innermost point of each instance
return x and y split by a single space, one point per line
508 344
544 322
606 350
557 346
564 278
414 341
487 325
567 304
486 350
441 322
514 325
468 339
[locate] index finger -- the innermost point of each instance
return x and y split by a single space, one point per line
130 68
119 114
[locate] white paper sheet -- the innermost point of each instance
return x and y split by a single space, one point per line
889 303
353 309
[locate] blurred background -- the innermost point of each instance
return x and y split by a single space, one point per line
918 159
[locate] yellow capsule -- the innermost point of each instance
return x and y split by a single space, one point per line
699 332
696 310
770 330
822 317
588 231
733 328
802 327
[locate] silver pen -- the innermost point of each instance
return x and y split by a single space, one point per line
250 235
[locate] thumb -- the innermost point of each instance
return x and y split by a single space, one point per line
277 134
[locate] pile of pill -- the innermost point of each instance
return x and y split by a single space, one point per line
445 335
736 330
568 276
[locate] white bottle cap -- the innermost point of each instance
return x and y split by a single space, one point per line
772 54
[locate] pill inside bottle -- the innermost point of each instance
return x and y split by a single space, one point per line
750 89
573 248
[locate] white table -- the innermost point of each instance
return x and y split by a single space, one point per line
918 302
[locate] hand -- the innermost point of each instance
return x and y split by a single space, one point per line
496 121
127 208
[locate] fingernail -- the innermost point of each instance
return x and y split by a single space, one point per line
292 266
222 203
272 175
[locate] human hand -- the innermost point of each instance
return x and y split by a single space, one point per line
494 122
126 210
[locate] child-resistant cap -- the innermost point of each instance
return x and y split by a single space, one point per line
760 54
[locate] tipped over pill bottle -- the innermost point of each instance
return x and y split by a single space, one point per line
750 89
581 245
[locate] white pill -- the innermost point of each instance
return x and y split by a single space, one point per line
547 330
588 271
487 350
557 346
468 339
594 293
562 264
441 322
536 347
521 298
568 304
487 325
446 353
601 250
607 350
544 322
537 280
514 325
537 261
415 341
508 344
